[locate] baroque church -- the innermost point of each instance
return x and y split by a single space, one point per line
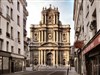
50 40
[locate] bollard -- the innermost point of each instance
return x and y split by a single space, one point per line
67 71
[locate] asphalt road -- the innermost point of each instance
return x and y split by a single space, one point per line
40 73
47 73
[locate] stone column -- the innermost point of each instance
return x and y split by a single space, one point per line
54 36
57 35
44 57
45 19
55 19
41 57
57 57
53 58
42 35
45 36
31 57
60 36
68 37
31 35
39 36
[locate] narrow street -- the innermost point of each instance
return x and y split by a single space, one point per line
53 71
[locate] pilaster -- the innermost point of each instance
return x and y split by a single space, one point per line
41 57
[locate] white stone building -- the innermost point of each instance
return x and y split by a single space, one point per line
50 40
13 15
87 36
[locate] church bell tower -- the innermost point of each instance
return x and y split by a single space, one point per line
50 16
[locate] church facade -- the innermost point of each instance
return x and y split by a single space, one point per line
50 40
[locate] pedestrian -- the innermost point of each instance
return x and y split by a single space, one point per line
67 70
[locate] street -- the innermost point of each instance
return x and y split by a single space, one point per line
45 73
51 71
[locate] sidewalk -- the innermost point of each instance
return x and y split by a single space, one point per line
72 71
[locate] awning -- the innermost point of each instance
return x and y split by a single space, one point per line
79 44
95 42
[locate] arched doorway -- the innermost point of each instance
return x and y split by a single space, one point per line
49 59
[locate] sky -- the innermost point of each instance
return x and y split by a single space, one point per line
65 8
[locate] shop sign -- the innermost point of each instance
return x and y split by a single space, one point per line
92 45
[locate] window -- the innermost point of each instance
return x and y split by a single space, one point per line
0 27
93 25
18 6
0 2
24 23
87 11
10 1
11 32
64 36
19 37
0 22
18 20
12 49
91 2
1 42
7 10
7 26
7 45
7 30
11 14
18 50
35 37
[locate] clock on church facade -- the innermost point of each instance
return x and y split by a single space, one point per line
50 40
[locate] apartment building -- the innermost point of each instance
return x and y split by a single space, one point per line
87 36
13 16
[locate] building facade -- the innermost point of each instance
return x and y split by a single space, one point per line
50 40
87 36
12 17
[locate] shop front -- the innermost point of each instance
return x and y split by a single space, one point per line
4 62
92 56
17 63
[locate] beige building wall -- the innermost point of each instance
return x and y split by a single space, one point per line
50 40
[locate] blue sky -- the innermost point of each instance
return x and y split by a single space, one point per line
65 8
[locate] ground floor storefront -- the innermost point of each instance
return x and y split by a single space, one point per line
91 52
10 63
93 62
4 62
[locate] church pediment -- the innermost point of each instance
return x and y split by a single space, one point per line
49 44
